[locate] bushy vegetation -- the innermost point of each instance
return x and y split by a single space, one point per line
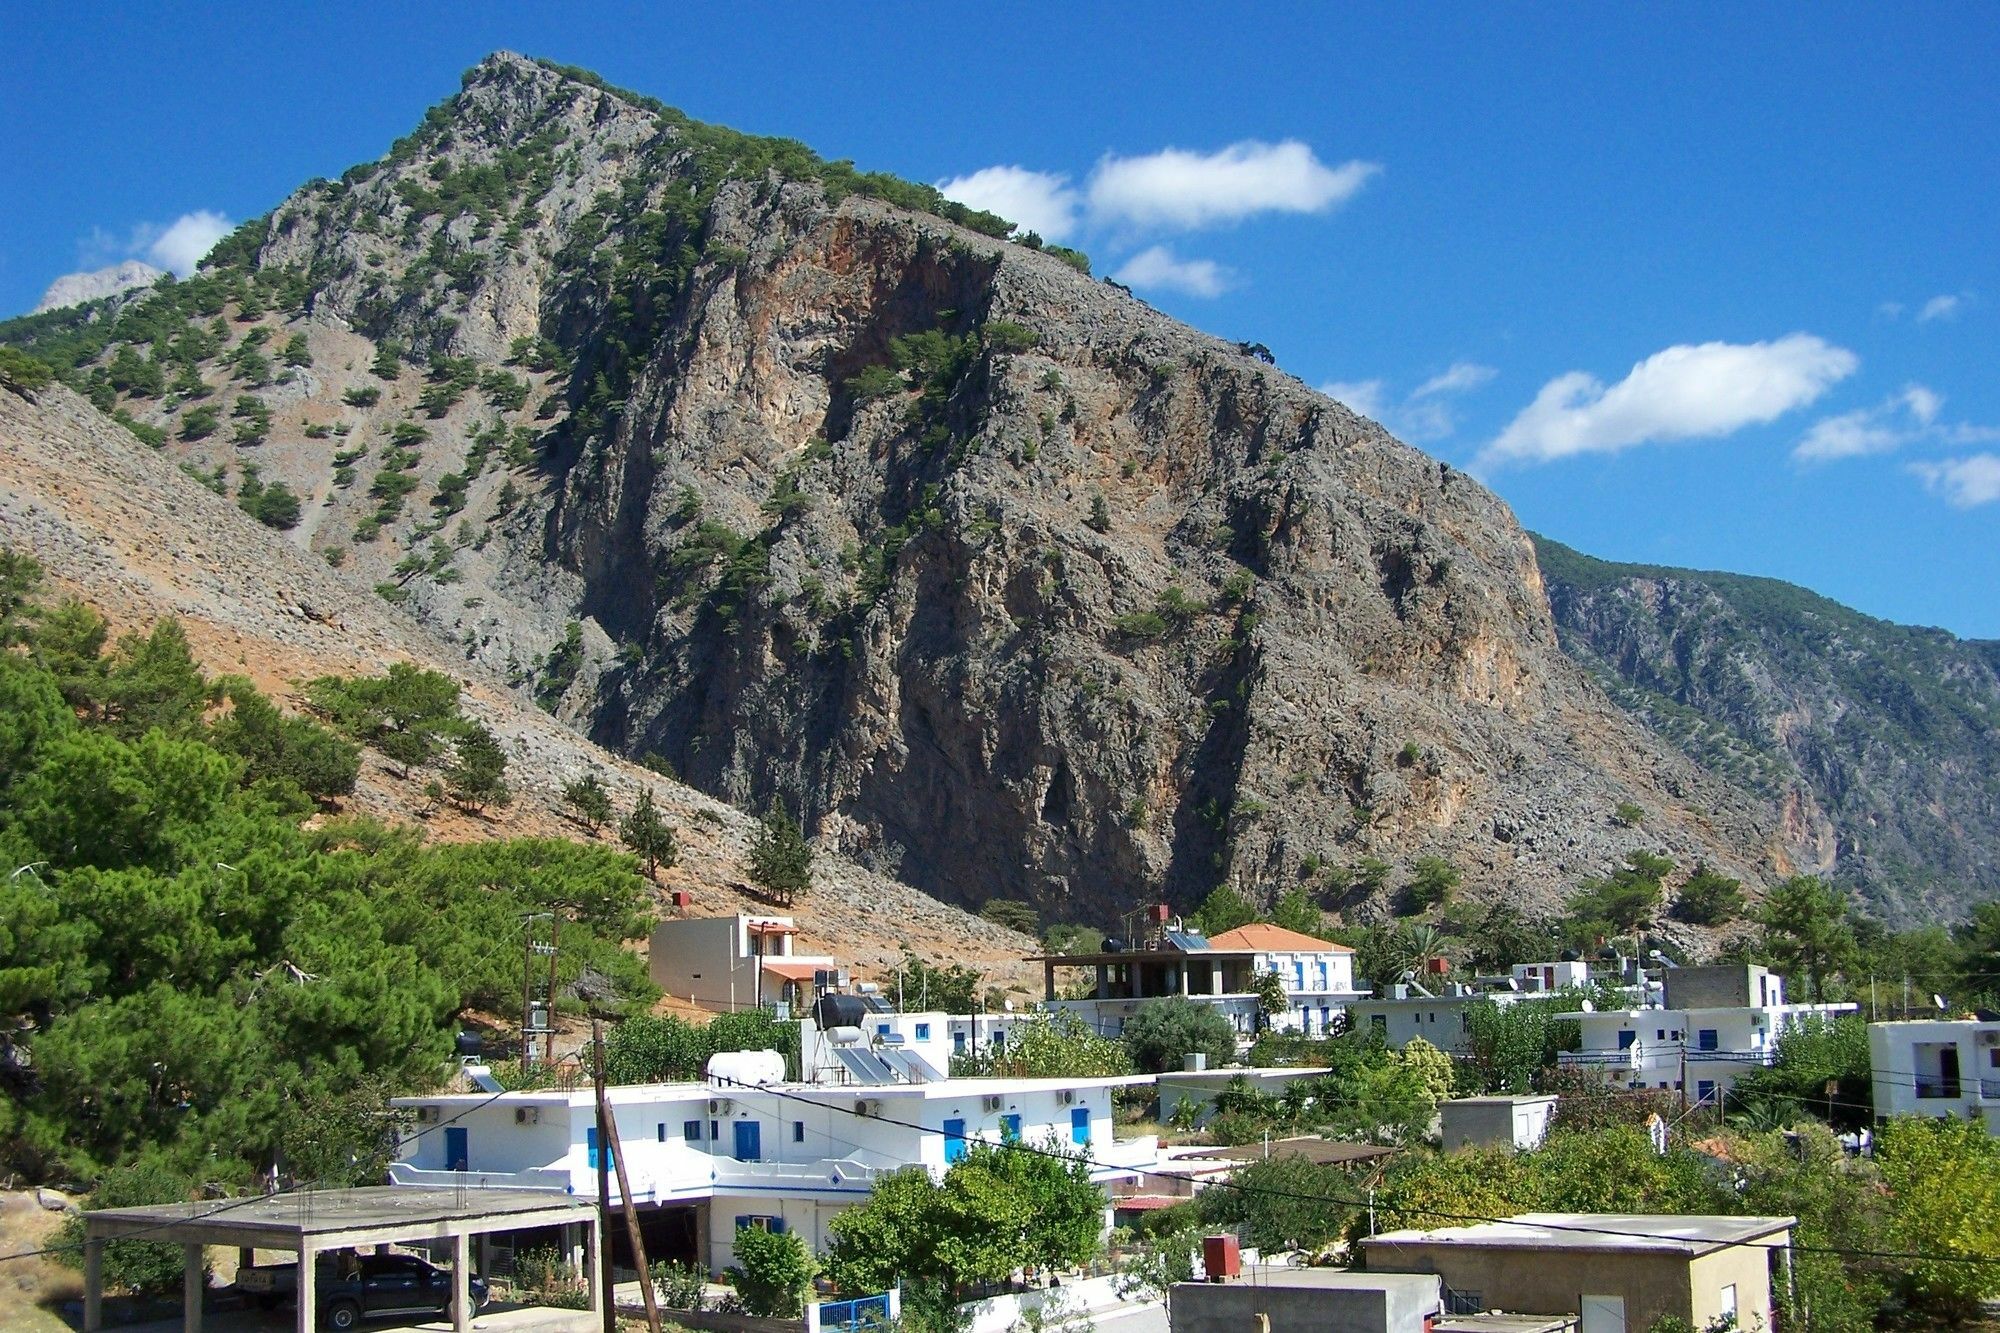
187 968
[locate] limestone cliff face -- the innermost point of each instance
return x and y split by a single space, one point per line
1006 582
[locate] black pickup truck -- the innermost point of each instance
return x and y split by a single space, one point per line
352 1288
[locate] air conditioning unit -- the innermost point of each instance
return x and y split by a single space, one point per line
527 1115
717 1105
867 1106
1990 1037
428 1115
1067 1097
989 1103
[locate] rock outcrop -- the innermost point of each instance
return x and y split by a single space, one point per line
73 289
788 481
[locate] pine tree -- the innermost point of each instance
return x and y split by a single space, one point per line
588 801
649 835
780 857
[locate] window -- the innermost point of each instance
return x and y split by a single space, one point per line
1704 1090
760 1222
590 1147
691 1130
923 1032
1707 1039
660 1131
1380 1022
1728 1300
1079 1124
1626 1036
798 1131
881 1029
714 1130
1662 1034
958 1043
954 1141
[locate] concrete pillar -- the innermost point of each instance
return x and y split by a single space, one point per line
461 1293
573 1243
598 1295
93 1284
193 1280
1103 976
308 1288
1049 978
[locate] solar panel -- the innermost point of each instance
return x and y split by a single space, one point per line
1188 941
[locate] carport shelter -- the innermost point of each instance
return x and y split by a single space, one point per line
312 1222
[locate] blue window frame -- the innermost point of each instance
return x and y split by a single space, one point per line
1079 1124
715 1131
661 1131
760 1222
590 1145
1707 1039
881 1029
691 1130
923 1032
958 1043
1010 1128
1626 1036
1298 976
954 1141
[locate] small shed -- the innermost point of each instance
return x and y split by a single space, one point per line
1485 1122
311 1222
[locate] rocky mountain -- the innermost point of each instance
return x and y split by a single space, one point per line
806 485
74 289
125 531
1879 743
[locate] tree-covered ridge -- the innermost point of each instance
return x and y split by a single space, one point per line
195 963
1883 736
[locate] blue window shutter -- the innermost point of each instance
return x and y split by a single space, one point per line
742 1221
691 1131
923 1032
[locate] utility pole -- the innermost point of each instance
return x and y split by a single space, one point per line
549 1042
608 1153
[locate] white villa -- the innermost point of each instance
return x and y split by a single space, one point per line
735 962
1937 1067
745 1148
1316 976
1713 1023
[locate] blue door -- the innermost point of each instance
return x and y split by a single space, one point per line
590 1144
749 1141
954 1141
1079 1124
1010 1128
457 1154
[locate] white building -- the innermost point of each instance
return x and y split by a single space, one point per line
1936 1067
1520 1121
705 1159
1315 975
1409 1010
1713 1024
735 962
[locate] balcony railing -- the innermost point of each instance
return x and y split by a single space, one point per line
529 1178
1931 1089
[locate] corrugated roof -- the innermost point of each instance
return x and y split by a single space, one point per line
1265 936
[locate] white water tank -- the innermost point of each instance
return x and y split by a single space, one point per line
746 1068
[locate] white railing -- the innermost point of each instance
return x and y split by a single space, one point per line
528 1178
844 1173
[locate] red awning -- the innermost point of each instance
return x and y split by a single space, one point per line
790 971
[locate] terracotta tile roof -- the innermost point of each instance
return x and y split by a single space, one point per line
1263 935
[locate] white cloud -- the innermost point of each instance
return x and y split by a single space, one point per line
1690 391
1180 190
1039 201
1882 429
187 239
1157 267
1459 377
1963 482
180 245
1425 414
1940 307
1368 397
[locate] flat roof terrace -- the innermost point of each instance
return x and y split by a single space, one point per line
310 1222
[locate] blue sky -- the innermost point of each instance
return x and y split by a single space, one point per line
1713 286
